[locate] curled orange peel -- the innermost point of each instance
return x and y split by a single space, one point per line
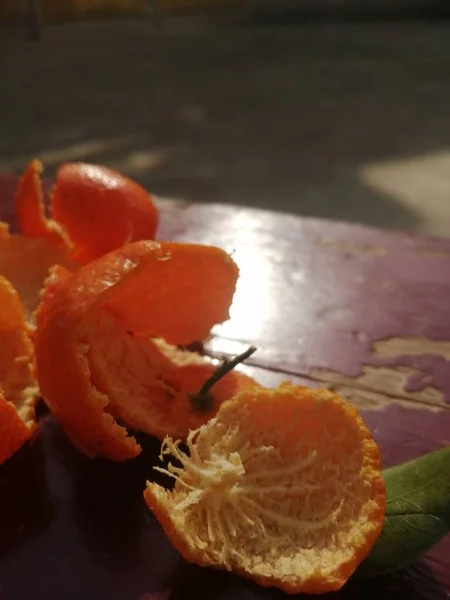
100 358
94 210
18 387
25 263
88 199
282 486
30 207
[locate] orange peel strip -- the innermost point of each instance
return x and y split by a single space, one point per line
283 486
98 359
25 263
30 208
18 385
88 199
95 209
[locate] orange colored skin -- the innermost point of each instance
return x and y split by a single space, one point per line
180 417
88 199
25 262
57 278
276 406
30 209
95 210
18 388
13 431
151 289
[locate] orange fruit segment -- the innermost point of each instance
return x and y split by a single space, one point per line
18 387
89 199
282 486
102 326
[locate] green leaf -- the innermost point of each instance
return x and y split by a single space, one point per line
417 513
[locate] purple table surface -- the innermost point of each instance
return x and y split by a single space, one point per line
354 309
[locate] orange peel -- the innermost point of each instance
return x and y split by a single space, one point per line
30 207
282 486
94 209
91 198
18 387
25 262
102 326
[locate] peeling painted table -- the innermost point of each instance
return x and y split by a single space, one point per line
361 311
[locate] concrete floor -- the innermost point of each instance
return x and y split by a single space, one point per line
344 121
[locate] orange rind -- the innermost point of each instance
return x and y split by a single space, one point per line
101 359
18 387
30 207
25 262
94 210
88 199
282 486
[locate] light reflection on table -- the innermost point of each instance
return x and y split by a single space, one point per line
254 305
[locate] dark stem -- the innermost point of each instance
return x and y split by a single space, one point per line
202 400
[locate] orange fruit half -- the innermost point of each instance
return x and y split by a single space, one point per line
101 362
18 387
282 486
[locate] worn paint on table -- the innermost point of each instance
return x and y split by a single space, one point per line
322 309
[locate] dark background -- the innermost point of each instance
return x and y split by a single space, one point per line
334 109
